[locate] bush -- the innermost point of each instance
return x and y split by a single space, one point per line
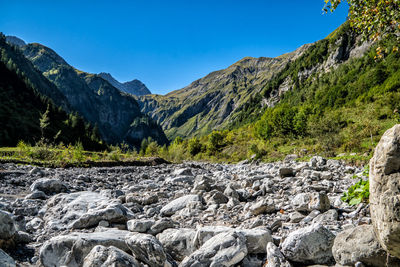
194 146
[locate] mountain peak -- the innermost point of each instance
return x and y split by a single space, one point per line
14 40
134 87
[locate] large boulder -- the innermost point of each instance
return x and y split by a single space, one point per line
71 250
309 245
179 204
384 190
83 210
178 242
225 249
49 186
101 256
359 244
147 249
7 229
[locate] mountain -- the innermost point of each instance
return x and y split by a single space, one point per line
134 87
15 41
22 107
210 102
218 100
114 113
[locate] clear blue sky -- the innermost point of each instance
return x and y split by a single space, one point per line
166 44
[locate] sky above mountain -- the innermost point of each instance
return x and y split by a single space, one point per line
167 44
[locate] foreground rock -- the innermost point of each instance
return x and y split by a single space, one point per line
101 256
275 258
385 190
147 249
71 250
7 229
311 245
225 249
82 210
359 244
6 260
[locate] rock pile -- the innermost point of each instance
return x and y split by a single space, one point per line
286 213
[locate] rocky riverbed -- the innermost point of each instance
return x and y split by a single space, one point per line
287 213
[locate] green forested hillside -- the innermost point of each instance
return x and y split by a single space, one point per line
22 107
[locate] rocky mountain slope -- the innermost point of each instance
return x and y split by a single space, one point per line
217 100
286 213
116 114
134 87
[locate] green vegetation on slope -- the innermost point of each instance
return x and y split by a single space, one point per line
22 109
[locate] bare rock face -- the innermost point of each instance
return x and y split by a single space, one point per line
359 244
385 191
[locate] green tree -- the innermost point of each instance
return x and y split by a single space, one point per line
194 146
44 121
373 18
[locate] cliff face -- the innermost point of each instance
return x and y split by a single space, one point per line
94 98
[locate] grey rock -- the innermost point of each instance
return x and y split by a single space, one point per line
147 249
178 204
7 228
83 210
225 249
265 205
384 178
319 201
49 186
71 249
140 225
36 195
360 244
300 202
275 258
179 243
161 225
310 245
296 217
326 217
184 171
34 224
6 260
256 239
101 256
207 232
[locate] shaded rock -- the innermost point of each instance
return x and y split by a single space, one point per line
275 258
71 249
286 172
296 217
36 195
359 244
256 239
384 190
184 171
225 249
101 256
147 249
49 186
7 227
179 243
161 225
83 210
310 245
6 260
178 204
